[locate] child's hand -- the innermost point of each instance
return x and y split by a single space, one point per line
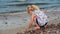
26 28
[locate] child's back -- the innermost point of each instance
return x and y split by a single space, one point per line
40 16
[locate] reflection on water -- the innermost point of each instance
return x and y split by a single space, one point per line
17 5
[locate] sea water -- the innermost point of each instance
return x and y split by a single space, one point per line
18 5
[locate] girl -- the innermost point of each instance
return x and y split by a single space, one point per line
37 17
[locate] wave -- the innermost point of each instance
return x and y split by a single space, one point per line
16 5
24 4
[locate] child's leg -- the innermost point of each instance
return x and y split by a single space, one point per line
36 25
45 25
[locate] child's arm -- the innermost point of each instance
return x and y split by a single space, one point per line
30 23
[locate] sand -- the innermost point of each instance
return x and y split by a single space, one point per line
11 23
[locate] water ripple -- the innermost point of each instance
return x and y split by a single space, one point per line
17 5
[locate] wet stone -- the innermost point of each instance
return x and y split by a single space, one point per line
27 32
6 18
19 24
38 32
35 32
58 17
32 32
58 25
52 25
52 32
24 22
19 33
54 19
53 13
48 26
45 32
48 17
24 19
6 23
49 30
58 32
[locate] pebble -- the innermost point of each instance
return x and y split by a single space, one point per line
6 23
19 24
49 31
25 19
24 22
48 17
54 19
58 25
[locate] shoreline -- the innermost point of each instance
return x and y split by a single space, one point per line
21 19
18 30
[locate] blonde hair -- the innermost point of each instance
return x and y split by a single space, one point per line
34 7
28 8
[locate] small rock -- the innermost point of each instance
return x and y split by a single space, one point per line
53 13
45 32
17 33
54 19
5 22
52 25
58 25
20 24
52 32
25 19
24 22
48 17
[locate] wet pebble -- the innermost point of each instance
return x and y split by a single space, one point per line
53 13
48 17
49 30
19 24
19 16
52 32
6 23
59 32
58 25
54 19
17 33
45 32
24 19
51 26
58 17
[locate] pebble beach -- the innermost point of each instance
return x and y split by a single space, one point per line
11 23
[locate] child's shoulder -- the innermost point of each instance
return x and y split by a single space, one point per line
33 15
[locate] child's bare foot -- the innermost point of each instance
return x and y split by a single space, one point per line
36 28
